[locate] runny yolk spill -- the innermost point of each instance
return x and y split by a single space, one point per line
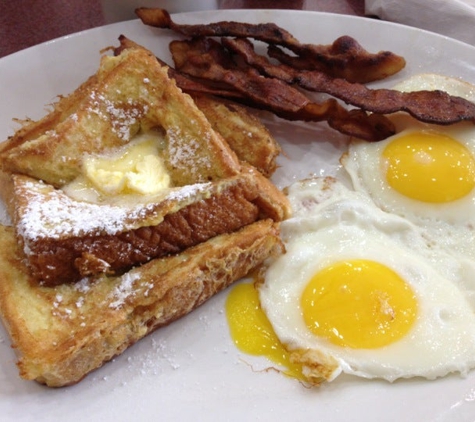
252 332
359 304
430 167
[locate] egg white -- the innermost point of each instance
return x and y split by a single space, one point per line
434 81
450 225
332 223
364 163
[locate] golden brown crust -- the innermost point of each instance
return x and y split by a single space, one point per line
271 201
130 93
54 260
89 238
243 131
63 333
65 106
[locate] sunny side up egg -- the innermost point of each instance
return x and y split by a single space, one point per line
425 173
359 291
378 280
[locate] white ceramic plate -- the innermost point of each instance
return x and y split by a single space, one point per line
191 370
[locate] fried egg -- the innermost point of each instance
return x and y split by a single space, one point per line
425 173
378 278
359 291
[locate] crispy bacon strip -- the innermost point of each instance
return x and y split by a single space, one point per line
427 106
354 123
349 60
345 58
206 58
267 32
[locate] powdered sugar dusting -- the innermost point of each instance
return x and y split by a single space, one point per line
58 215
186 154
121 118
52 214
83 286
124 289
188 191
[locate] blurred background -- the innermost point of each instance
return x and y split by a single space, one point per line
24 23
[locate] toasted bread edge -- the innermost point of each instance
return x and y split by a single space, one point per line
59 342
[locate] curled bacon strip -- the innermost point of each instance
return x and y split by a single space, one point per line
330 69
294 105
345 58
268 32
427 106
206 58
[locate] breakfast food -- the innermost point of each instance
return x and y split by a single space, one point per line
216 72
122 100
207 59
166 165
338 301
231 120
430 106
424 173
377 278
63 333
128 212
65 239
344 58
340 70
245 134
418 324
363 292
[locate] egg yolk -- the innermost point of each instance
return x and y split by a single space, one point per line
429 167
359 304
252 332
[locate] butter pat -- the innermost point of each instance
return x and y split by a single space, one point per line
149 177
135 169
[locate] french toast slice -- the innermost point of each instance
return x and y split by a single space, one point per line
107 283
130 94
62 333
243 131
65 239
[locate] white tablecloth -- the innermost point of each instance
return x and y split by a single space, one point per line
453 18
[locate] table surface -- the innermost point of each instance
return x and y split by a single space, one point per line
25 23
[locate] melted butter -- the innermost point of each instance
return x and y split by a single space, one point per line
136 169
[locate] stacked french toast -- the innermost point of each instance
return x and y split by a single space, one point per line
131 204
